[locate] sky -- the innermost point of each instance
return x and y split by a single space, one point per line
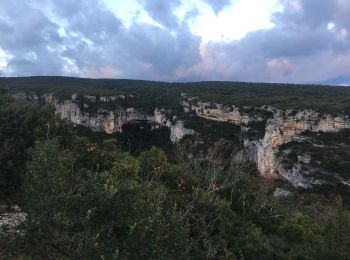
292 41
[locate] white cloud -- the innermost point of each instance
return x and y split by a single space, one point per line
129 12
4 59
232 23
235 21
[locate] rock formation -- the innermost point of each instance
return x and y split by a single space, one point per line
215 111
10 219
105 120
283 129
178 131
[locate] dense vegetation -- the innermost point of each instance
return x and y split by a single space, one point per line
20 125
90 197
150 94
134 138
101 204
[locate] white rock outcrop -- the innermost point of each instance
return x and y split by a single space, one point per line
112 122
284 129
10 220
281 193
105 120
178 131
215 111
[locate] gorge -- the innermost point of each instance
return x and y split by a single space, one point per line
281 127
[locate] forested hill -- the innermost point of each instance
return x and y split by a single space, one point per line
56 82
284 96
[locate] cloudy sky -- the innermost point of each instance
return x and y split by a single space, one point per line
297 41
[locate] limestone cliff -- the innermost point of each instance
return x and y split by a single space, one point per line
103 120
284 128
217 112
113 121
178 131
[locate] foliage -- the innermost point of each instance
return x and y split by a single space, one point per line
87 199
337 233
77 213
146 207
20 125
167 95
152 161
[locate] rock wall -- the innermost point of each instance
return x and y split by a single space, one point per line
10 220
100 121
283 129
113 121
215 111
178 131
104 120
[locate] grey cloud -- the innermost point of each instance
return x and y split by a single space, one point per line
167 50
95 42
149 52
344 13
142 51
312 14
218 5
299 48
291 43
45 64
5 27
341 80
92 23
26 30
28 35
162 11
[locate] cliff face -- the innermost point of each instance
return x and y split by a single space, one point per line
113 121
284 129
178 131
215 111
105 120
10 220
101 121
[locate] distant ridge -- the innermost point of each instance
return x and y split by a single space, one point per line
107 82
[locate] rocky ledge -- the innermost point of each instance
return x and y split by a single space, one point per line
10 218
104 120
283 128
